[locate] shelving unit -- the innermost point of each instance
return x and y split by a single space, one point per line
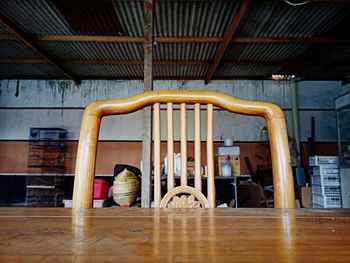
46 153
342 108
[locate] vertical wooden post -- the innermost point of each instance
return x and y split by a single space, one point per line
147 112
183 125
197 147
210 156
170 146
156 151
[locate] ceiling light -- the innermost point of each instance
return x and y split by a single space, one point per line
282 77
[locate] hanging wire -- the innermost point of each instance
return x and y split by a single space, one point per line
296 4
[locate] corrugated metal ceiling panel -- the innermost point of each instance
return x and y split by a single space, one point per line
3 31
236 71
15 49
117 71
180 71
271 18
194 18
34 16
265 52
23 70
101 51
131 17
185 51
173 18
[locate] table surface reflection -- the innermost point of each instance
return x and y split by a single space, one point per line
165 235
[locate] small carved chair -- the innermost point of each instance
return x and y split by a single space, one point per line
86 157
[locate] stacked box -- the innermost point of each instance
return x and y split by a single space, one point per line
325 180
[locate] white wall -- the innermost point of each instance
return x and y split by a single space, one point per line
25 103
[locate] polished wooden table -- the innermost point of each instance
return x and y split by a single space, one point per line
150 235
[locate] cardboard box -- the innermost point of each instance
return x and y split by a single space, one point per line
306 197
235 163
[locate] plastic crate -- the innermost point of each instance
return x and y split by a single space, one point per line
320 160
325 180
327 201
322 170
326 190
317 206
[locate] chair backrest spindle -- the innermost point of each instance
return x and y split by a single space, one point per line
183 127
210 156
197 147
170 146
157 175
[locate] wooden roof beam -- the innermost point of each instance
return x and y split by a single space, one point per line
29 42
125 39
227 39
307 63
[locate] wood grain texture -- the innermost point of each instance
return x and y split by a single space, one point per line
183 132
210 156
170 146
156 152
282 170
172 235
197 147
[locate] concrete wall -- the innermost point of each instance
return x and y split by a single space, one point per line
59 103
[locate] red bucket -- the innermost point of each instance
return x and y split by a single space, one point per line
101 188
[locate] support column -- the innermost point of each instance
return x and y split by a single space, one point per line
147 112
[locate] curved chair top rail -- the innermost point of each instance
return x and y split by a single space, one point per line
86 157
122 106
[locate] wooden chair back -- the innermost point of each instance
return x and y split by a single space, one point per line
87 148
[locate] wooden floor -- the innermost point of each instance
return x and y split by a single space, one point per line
150 235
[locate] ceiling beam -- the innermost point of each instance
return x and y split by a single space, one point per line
307 63
125 39
324 1
29 42
227 39
340 78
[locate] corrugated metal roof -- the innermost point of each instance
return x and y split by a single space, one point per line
268 18
264 52
245 71
180 71
102 51
271 18
35 16
3 31
121 71
194 18
131 17
15 49
173 18
339 52
25 70
185 51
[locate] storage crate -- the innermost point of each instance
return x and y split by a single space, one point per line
317 206
326 190
320 160
324 170
326 180
47 134
47 137
327 201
